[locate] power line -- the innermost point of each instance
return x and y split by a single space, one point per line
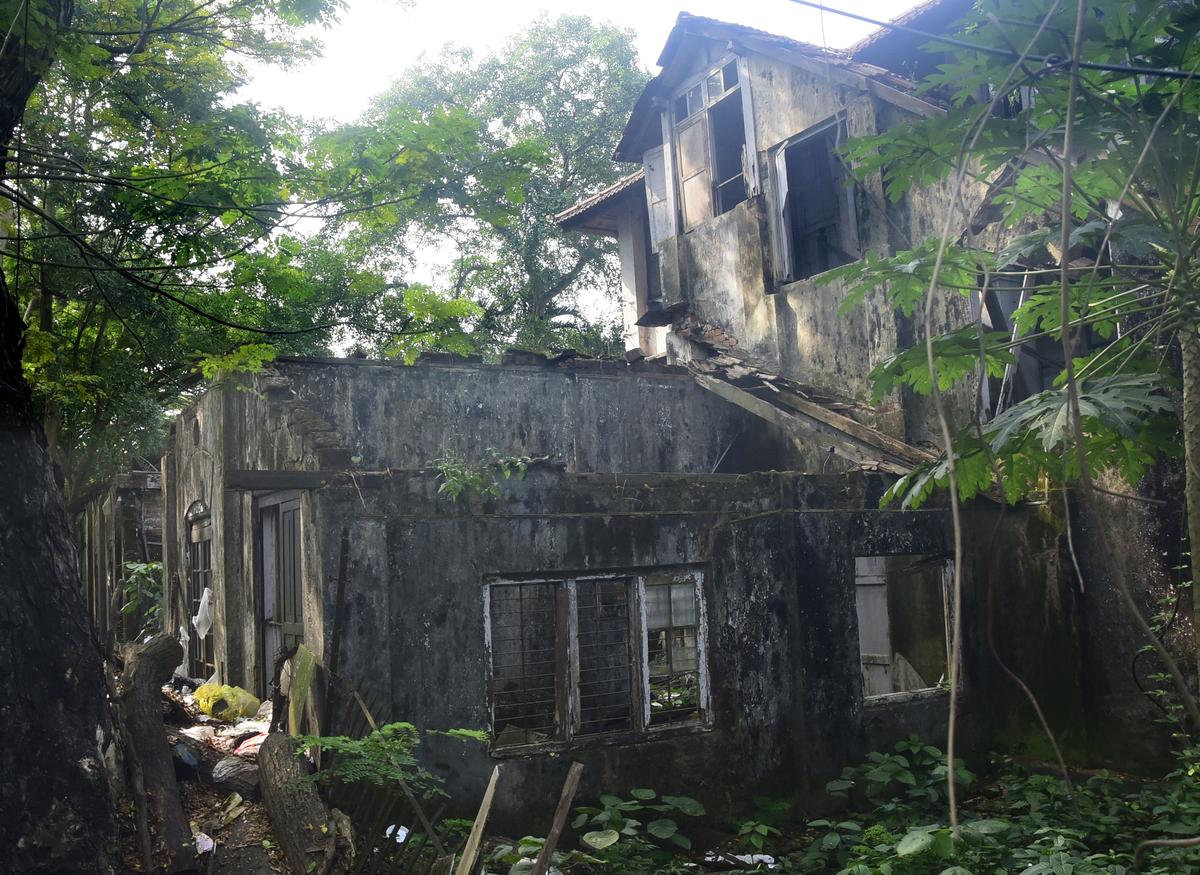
1007 54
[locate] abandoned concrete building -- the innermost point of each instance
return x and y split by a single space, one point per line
121 523
693 587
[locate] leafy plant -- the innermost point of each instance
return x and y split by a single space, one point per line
1022 821
142 593
620 837
459 476
384 757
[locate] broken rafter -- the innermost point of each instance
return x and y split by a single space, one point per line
813 429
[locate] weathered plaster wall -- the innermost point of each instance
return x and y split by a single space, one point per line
1140 543
586 416
725 270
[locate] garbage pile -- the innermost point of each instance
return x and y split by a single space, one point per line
215 732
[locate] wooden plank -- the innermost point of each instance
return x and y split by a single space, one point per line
471 849
560 819
808 428
856 429
247 480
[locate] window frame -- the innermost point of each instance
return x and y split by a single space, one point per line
201 651
947 581
672 126
568 734
786 268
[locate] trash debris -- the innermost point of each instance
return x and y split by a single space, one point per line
233 808
226 702
400 833
237 775
204 845
181 669
203 621
249 746
754 860
186 760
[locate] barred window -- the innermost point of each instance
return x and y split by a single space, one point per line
585 656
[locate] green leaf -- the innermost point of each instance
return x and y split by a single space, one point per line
662 829
914 843
601 839
685 805
642 793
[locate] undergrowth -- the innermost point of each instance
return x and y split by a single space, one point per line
1019 820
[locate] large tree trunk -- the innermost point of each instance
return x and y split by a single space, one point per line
149 666
56 810
303 826
1189 345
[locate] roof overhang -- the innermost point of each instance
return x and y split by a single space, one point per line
598 214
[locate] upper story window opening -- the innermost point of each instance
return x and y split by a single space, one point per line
710 132
816 215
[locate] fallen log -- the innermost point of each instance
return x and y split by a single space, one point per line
303 826
147 668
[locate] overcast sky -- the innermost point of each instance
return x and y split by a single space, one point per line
376 40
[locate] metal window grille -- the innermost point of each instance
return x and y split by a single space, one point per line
673 651
527 663
201 659
605 660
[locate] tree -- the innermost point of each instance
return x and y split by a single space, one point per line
146 230
566 85
185 194
1083 154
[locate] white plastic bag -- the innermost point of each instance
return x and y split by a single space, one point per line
181 670
203 620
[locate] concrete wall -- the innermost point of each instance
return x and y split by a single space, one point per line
725 269
585 416
777 552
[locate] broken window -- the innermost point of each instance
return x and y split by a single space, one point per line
903 622
201 661
1039 358
816 218
673 649
713 162
567 658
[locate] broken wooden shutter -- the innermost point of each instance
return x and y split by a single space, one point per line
874 629
751 147
694 180
781 221
658 199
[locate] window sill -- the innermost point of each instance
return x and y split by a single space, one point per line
589 742
884 700
807 282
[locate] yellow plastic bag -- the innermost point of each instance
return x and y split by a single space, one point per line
226 702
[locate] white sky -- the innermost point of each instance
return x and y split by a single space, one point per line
376 40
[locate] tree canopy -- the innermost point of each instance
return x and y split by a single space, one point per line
566 86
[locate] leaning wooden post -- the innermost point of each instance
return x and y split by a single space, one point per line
560 819
471 849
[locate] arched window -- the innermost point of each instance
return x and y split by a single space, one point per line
201 660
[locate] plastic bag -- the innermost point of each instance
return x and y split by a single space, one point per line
182 668
203 621
225 702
